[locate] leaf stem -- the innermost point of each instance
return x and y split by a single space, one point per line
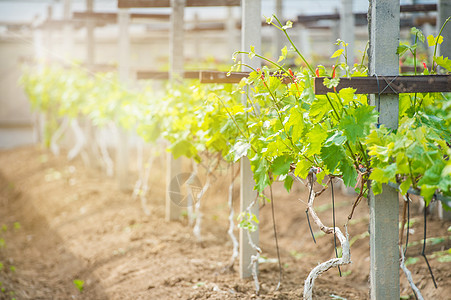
336 113
436 44
294 46
236 124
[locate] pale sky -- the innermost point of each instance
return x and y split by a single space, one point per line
25 10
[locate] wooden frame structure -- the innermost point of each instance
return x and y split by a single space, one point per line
383 62
167 3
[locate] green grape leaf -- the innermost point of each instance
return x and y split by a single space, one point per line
331 82
385 174
349 172
269 19
316 137
283 55
288 183
347 95
320 177
260 168
378 175
302 168
281 165
443 62
337 139
405 185
402 49
376 187
288 25
240 149
418 33
432 175
427 191
432 41
319 108
184 148
357 123
332 155
445 181
337 53
296 121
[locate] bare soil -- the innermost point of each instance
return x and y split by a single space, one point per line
64 221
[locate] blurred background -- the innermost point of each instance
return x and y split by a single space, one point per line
57 30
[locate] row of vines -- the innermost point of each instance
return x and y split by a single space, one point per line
274 118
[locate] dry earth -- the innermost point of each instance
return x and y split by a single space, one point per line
63 222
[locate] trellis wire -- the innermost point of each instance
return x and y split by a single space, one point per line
424 248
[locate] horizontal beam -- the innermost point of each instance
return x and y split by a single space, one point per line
418 7
80 22
413 191
389 84
419 21
232 77
404 8
207 26
112 17
315 18
221 77
410 69
166 3
162 75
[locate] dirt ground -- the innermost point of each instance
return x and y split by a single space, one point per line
62 221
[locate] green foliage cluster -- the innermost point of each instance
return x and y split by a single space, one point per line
283 128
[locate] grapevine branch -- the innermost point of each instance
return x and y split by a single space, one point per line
190 199
292 44
109 165
145 184
198 213
333 219
142 184
406 217
424 248
360 196
139 163
231 222
334 262
57 135
408 221
80 141
408 274
258 251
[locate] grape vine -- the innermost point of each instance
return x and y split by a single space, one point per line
284 129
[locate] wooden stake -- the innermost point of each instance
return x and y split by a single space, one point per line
384 208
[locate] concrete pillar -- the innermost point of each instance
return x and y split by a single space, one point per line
250 36
90 26
279 37
444 12
68 35
176 61
384 208
122 159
